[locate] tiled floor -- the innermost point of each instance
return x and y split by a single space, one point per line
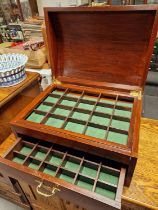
6 205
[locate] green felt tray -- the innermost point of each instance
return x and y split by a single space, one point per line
80 116
109 178
105 192
33 117
51 99
71 165
68 103
95 132
85 106
66 178
55 159
88 171
100 120
49 171
75 127
44 108
40 155
120 124
18 160
90 98
122 113
63 112
117 138
33 165
84 185
104 109
25 150
54 122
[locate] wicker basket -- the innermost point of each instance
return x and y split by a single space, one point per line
12 69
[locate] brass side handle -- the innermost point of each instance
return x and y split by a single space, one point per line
52 192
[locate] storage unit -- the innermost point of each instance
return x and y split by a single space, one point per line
81 135
14 99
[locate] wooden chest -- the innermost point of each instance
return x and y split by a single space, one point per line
81 135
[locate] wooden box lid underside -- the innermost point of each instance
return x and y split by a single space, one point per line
105 45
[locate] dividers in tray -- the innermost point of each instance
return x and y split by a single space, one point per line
80 171
96 115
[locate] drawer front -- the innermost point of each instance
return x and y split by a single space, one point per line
53 170
8 192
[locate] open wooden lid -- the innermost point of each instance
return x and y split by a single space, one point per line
102 45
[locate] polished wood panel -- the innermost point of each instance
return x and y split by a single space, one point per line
88 43
143 191
144 186
14 99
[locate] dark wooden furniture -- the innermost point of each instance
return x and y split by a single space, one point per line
100 66
14 99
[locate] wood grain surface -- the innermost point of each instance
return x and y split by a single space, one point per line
144 186
7 94
143 190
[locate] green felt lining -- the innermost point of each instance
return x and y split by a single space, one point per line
73 95
33 165
90 98
100 120
63 112
80 116
120 124
44 108
66 178
122 113
105 192
40 155
86 106
51 99
95 132
71 165
25 150
106 177
57 92
55 159
54 122
107 101
117 138
126 104
75 127
33 117
84 185
104 109
18 160
68 102
88 171
49 171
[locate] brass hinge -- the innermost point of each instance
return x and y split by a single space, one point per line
136 93
55 81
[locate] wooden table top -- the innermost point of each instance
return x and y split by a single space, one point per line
144 186
7 93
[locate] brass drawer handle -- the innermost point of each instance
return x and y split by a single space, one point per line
53 192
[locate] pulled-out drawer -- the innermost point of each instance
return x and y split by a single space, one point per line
85 180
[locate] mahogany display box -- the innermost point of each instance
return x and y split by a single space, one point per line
82 133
